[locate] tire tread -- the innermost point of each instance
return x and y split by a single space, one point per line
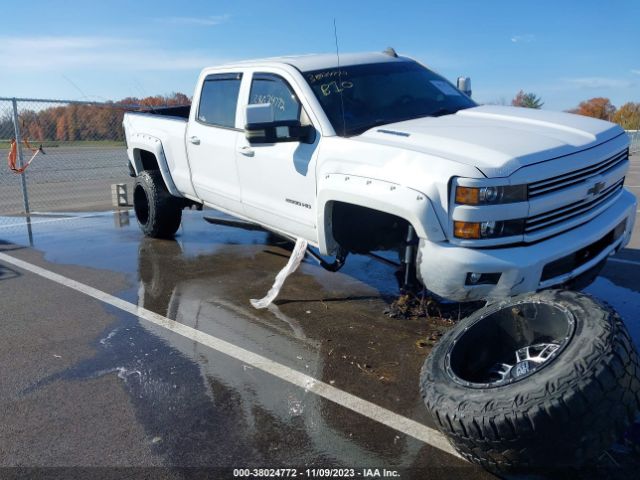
165 210
562 420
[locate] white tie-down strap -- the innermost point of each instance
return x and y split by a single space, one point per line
294 261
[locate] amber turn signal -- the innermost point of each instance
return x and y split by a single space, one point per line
467 195
466 229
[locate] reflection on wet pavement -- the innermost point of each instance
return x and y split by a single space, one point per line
200 408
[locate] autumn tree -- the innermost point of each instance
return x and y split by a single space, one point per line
598 107
527 100
30 125
80 121
6 126
61 128
159 100
628 116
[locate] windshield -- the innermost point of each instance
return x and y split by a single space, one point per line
381 93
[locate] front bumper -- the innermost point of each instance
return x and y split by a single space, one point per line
443 267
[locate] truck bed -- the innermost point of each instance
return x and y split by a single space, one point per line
161 131
181 111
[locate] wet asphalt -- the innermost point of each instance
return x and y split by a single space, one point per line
86 385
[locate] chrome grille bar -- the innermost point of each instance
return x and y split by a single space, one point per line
577 176
570 211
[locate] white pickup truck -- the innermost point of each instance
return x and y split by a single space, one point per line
377 152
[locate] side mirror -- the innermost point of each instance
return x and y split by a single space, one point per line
279 131
464 85
262 128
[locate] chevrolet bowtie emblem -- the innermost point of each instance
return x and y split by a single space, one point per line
596 188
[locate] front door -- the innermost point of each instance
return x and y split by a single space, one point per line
278 179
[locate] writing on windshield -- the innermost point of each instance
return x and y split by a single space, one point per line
381 93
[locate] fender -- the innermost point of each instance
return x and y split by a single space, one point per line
388 197
140 141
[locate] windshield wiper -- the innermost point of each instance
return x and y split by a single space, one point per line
443 111
385 121
368 126
379 121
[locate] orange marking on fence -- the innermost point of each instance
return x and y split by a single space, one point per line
13 156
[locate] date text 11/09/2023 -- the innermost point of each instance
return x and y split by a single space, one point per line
315 473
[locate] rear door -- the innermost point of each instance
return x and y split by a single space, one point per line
211 139
278 179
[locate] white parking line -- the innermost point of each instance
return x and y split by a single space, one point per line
363 407
622 260
35 222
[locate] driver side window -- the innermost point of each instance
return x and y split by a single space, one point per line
272 89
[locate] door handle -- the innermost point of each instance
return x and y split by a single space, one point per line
246 151
194 140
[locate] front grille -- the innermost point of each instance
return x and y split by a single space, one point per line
565 180
568 212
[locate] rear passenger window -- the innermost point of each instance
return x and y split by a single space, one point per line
219 99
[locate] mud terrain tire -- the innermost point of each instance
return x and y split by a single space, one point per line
158 212
563 413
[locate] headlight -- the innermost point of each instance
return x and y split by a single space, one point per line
491 195
491 229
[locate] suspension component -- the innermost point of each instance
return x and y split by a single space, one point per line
336 265
409 279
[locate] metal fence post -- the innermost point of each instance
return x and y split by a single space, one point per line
16 127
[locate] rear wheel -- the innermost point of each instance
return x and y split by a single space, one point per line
158 212
538 381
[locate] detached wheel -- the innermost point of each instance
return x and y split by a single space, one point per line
538 381
158 212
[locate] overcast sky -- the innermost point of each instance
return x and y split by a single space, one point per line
563 50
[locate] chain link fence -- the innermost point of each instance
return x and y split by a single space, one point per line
634 137
83 153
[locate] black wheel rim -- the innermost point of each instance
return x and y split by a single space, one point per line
508 344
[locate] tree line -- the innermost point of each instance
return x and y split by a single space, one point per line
81 122
627 116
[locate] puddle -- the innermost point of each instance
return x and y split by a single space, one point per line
198 407
625 301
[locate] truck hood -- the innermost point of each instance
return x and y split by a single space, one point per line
496 140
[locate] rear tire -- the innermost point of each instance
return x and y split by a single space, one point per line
158 212
563 411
